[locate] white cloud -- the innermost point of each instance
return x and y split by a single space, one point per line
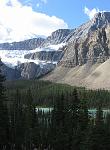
41 3
19 22
91 13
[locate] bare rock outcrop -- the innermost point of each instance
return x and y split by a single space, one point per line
9 73
31 70
53 55
89 42
57 37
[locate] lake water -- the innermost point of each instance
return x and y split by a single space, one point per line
92 112
45 109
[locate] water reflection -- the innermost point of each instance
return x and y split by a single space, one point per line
91 112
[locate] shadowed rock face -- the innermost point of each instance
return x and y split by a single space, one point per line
32 70
10 74
46 55
26 71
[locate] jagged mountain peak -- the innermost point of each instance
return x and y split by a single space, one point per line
100 20
57 37
102 15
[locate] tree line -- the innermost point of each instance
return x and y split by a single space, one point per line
44 92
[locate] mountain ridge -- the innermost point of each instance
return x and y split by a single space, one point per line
44 59
55 38
86 59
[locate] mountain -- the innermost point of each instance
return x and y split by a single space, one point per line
86 59
56 37
32 70
44 55
10 74
52 47
33 55
89 41
26 70
23 45
77 57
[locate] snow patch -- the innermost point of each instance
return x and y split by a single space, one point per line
49 48
13 57
56 47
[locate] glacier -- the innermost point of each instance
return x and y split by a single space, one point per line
12 58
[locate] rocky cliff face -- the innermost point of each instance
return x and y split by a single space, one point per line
86 61
89 42
53 56
9 73
26 71
57 37
48 54
32 70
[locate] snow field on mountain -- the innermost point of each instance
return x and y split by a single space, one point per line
13 57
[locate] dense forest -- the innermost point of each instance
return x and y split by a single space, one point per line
68 126
44 93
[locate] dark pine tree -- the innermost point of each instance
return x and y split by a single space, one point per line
58 132
4 119
29 124
74 127
99 137
17 127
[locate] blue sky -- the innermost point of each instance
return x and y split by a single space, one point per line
71 11
24 19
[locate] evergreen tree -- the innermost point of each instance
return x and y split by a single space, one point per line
4 119
35 129
29 121
17 122
59 133
74 129
99 137
77 122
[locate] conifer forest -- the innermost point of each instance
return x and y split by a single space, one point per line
67 125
